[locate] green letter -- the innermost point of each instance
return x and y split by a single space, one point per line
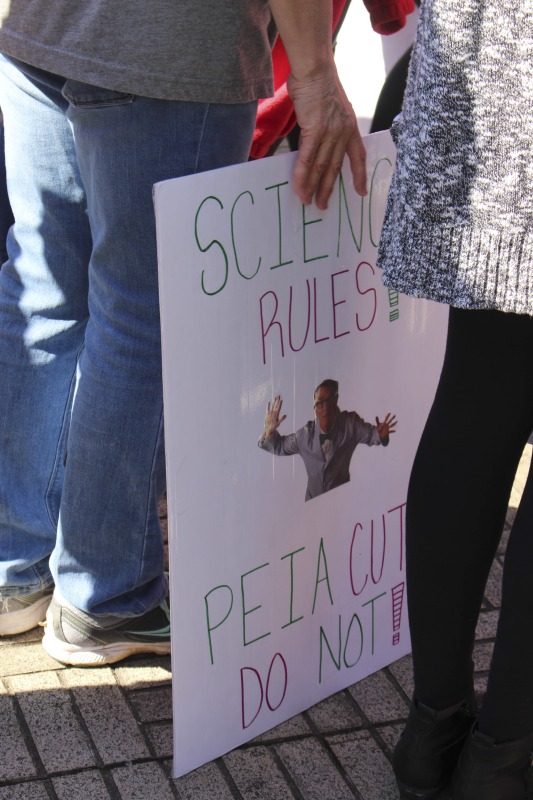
321 556
336 661
214 627
282 263
208 247
245 612
290 555
371 602
305 224
248 277
355 617
342 197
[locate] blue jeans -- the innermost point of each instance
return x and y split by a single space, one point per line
81 409
6 217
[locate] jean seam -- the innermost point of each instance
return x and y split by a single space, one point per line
84 95
151 489
122 101
60 455
201 137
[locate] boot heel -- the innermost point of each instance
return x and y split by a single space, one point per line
408 793
428 749
490 771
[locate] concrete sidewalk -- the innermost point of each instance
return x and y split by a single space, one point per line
95 734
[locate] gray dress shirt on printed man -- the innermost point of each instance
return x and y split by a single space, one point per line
324 471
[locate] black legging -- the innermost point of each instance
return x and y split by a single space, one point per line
390 99
459 490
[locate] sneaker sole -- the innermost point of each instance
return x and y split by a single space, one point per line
97 656
25 619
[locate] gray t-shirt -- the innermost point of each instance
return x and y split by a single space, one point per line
214 51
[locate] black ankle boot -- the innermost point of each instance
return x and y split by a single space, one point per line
429 747
489 771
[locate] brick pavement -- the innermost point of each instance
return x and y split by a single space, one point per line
96 734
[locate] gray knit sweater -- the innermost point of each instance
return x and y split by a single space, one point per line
459 220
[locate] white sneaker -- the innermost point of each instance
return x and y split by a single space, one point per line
73 637
23 612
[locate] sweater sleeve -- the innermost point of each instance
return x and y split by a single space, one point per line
388 16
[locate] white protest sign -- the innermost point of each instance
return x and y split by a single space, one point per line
278 602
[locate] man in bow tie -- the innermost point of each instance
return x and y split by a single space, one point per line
326 443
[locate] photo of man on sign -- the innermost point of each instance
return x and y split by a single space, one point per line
326 443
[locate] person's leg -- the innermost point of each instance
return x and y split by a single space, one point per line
43 312
507 710
496 761
109 554
459 491
457 500
390 98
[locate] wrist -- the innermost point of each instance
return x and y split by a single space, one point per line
305 27
313 70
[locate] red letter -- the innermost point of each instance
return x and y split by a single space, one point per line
351 562
335 304
270 324
370 291
284 683
297 349
250 669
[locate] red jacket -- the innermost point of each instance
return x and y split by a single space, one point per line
275 115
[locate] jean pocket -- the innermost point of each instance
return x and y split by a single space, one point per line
85 95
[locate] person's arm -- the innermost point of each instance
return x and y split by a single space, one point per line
271 439
327 120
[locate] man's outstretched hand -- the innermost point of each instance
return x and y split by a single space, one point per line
272 416
386 427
